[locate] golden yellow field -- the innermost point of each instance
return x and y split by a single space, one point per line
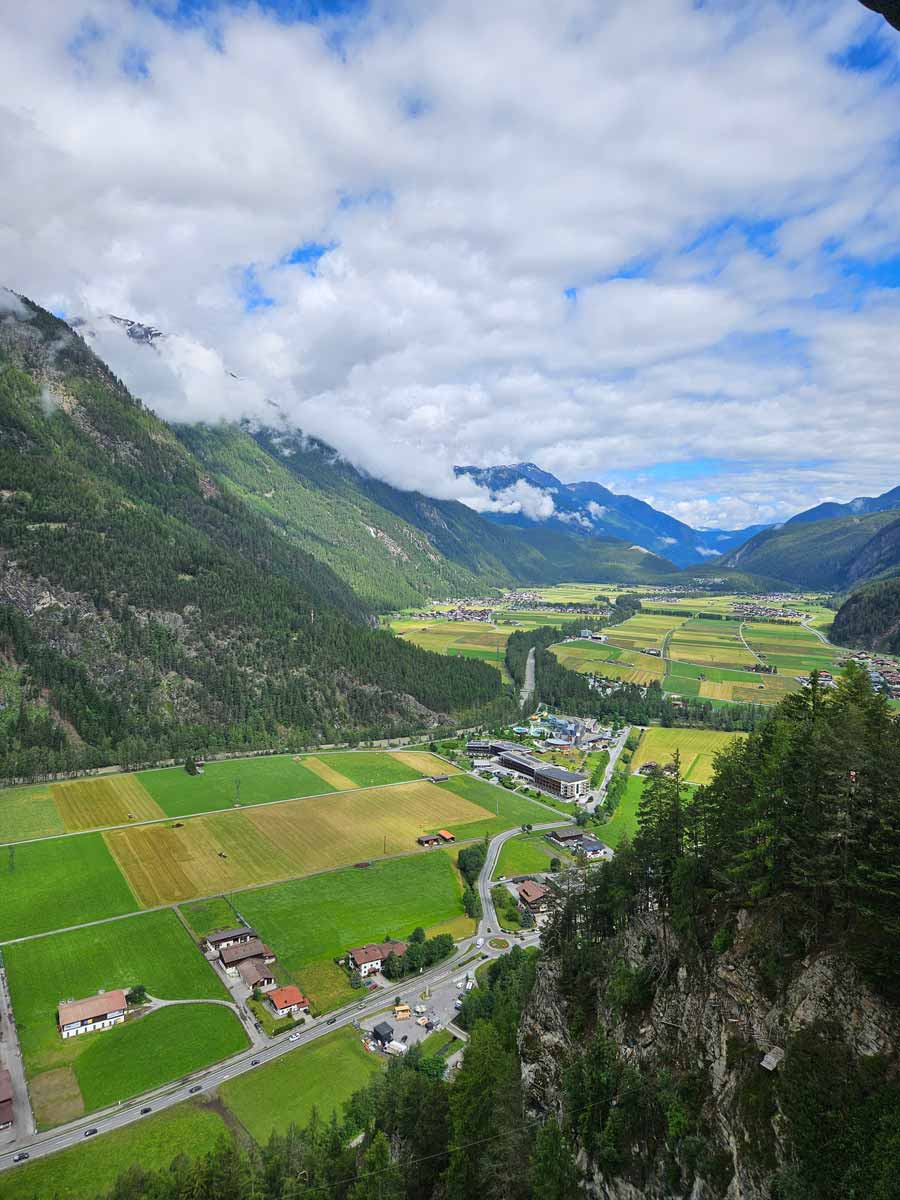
109 800
421 760
322 769
203 856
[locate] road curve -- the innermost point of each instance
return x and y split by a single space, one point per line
528 686
73 1134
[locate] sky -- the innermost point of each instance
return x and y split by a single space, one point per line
655 245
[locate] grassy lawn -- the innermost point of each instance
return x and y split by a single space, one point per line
513 809
151 1050
319 1076
441 1042
49 885
257 780
205 916
527 853
153 950
507 911
28 812
623 822
309 922
84 1172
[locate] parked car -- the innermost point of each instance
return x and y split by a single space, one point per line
458 1004
20 1157
295 1037
89 1132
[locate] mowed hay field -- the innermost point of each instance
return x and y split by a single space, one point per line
722 683
66 881
152 949
425 763
614 662
792 649
222 784
104 800
697 748
644 631
226 851
711 643
471 639
309 922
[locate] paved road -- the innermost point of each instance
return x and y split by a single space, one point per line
11 1058
528 686
615 750
40 1145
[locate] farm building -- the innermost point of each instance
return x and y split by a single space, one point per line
6 1099
221 939
446 836
256 974
368 959
533 895
232 956
288 1001
429 839
97 1012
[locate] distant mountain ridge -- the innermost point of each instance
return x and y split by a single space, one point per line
859 507
589 508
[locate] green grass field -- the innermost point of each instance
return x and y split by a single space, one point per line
514 809
49 885
206 916
527 853
85 1172
151 1050
623 822
153 949
319 1076
254 780
309 922
369 768
697 748
28 812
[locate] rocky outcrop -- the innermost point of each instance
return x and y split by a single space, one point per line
714 1016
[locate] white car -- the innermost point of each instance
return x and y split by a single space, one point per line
479 942
295 1037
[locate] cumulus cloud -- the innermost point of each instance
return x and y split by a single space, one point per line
411 255
521 497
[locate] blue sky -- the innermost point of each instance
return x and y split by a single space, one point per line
669 262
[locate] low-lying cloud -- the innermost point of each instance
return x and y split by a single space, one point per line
666 249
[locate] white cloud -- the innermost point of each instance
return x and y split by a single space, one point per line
521 497
436 329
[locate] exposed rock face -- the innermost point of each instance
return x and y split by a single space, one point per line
716 1016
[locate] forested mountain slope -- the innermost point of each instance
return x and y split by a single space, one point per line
823 554
869 619
147 610
397 548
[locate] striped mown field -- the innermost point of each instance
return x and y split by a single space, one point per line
697 748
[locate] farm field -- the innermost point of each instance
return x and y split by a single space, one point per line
104 800
50 885
614 662
471 639
252 780
84 1172
309 922
792 649
206 916
722 683
697 748
321 1076
153 949
711 643
28 812
227 851
644 631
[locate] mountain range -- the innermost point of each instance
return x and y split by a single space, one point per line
590 509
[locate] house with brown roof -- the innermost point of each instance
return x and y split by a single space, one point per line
6 1099
533 895
221 939
288 1001
368 959
255 974
75 1017
429 840
232 956
446 836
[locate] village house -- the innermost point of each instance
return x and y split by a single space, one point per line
221 939
368 959
6 1099
255 974
75 1017
232 956
288 1001
533 896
